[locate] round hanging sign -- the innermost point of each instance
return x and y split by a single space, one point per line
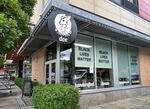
62 27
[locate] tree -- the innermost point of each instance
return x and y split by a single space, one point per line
1 60
14 19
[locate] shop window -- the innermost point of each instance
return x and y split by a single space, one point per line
123 64
89 60
134 65
128 65
47 73
84 64
27 69
103 63
66 63
51 52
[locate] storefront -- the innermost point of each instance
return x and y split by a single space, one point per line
88 63
102 55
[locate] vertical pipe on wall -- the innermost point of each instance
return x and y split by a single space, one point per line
115 64
58 63
129 68
95 73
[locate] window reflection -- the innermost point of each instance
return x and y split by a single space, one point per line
89 60
66 63
84 63
83 78
123 65
104 78
51 52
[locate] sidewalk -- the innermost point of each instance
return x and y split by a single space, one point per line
142 102
13 100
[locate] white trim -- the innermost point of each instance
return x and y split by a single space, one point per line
58 62
94 50
92 91
115 64
50 63
82 45
129 69
22 46
49 43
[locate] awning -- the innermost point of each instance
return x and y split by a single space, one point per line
85 21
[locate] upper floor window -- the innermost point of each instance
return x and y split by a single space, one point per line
134 2
45 2
129 4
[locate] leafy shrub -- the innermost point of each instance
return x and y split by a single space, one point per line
20 82
55 96
12 78
34 83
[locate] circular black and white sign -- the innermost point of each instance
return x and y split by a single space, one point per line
62 27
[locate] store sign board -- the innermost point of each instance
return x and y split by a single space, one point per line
103 54
84 51
62 27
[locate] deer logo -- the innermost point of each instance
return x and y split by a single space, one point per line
63 25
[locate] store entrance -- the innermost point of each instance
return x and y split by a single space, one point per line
50 72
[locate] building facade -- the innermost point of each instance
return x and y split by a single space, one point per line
109 57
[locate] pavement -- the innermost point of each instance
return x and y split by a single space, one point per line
141 102
13 100
10 98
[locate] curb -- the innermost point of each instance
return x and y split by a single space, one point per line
20 102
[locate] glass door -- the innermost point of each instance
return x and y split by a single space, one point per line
50 72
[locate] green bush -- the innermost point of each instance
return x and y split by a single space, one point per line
12 78
20 82
34 83
55 96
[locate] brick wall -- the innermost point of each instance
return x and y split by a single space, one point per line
38 66
145 66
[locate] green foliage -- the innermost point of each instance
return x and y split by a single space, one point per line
34 84
27 6
8 28
1 60
55 96
20 82
14 19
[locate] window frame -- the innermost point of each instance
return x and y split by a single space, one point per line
130 8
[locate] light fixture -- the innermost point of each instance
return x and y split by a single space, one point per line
82 45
